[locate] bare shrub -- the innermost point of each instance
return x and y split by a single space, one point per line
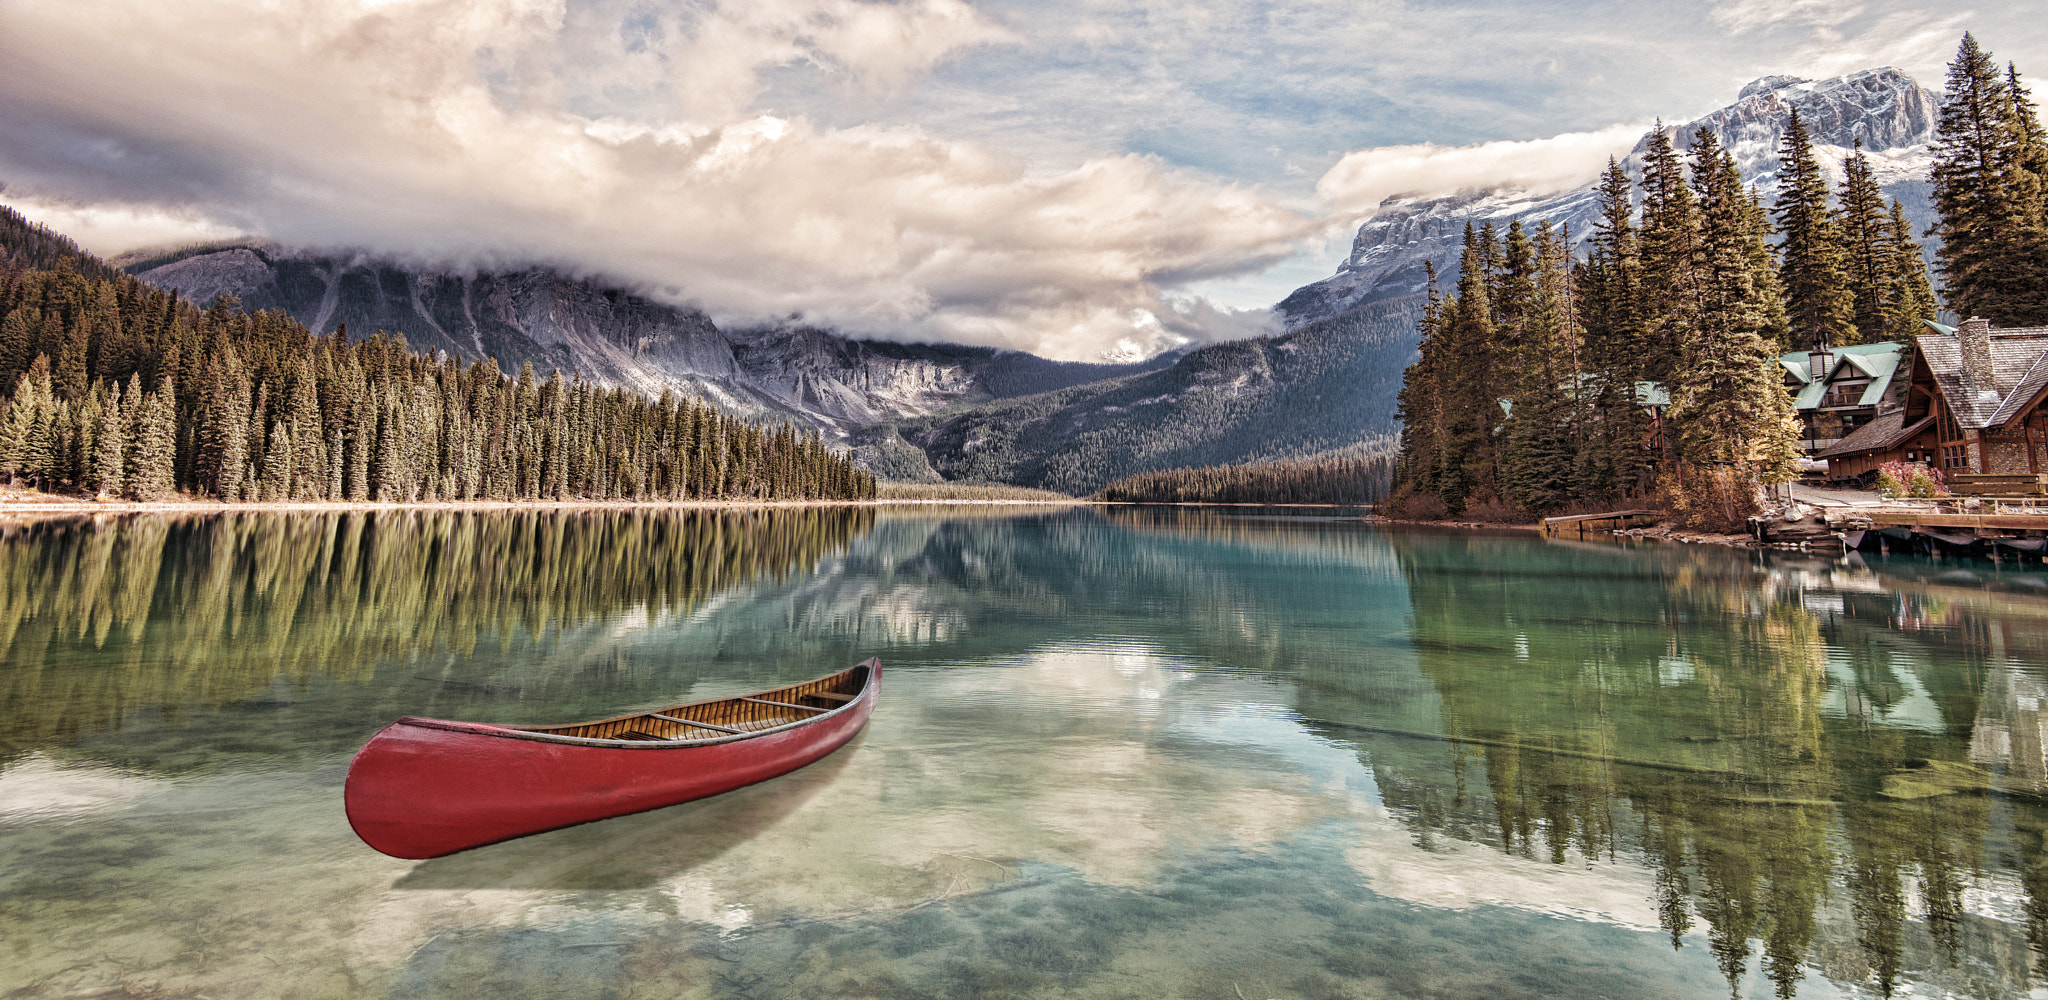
1709 498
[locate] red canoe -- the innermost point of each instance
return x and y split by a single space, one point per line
422 788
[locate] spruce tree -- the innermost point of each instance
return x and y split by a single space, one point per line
110 450
1539 469
1670 244
309 440
1908 296
277 465
18 333
155 463
1818 303
1419 405
1733 421
1866 248
1467 457
1609 294
25 435
69 374
1991 254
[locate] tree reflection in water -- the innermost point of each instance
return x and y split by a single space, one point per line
105 618
1747 730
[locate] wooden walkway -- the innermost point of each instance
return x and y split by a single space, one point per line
1581 525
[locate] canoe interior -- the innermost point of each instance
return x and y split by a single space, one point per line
724 717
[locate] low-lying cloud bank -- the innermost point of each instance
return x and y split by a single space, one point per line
489 132
446 130
1364 178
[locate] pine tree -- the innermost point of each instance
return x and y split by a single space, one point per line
1908 296
1670 245
25 435
1991 254
110 450
69 375
1818 303
1609 295
154 465
1866 248
18 334
1466 461
1539 469
277 464
309 440
224 435
1729 409
1420 403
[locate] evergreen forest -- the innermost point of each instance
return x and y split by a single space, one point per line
1648 369
1354 479
113 388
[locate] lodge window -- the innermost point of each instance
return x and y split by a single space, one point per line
1955 456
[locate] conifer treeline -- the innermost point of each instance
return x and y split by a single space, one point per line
1343 480
1542 376
1991 189
120 389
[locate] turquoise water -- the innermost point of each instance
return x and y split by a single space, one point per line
1137 754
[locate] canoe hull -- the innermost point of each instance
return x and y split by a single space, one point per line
423 788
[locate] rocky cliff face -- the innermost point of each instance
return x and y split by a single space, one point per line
1890 114
605 334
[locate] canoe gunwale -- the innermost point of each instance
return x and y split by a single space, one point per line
867 690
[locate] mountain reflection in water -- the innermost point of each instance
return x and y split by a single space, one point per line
1144 751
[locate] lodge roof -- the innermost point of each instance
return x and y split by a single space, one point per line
1882 433
2019 367
1878 361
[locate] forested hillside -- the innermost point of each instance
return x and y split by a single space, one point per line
1348 479
1327 386
117 388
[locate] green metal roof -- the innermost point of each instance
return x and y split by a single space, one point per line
1878 361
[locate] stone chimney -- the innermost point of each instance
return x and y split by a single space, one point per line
1974 339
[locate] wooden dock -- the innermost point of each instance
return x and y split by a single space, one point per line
1581 525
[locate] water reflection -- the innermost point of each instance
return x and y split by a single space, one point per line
1762 736
1155 752
109 621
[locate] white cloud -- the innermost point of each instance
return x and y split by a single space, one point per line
1364 178
108 230
438 129
1740 16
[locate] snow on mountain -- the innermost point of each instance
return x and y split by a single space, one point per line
1888 112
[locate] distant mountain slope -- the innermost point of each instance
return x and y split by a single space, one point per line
1891 114
1324 387
610 335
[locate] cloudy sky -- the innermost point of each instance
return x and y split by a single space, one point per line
1061 176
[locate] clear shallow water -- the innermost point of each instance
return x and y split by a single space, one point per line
1150 754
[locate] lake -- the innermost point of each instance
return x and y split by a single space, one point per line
1135 753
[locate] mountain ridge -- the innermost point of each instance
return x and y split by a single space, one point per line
1886 109
606 333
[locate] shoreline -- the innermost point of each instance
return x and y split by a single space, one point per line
14 505
344 506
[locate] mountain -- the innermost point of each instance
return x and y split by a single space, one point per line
610 335
1325 387
1330 383
1884 109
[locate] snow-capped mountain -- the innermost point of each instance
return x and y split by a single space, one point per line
610 335
1889 113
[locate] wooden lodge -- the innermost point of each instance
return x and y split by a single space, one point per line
1835 391
1970 404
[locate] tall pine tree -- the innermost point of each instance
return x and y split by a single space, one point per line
1994 249
1818 304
